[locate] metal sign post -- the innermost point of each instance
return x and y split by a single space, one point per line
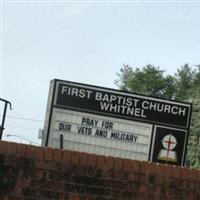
4 115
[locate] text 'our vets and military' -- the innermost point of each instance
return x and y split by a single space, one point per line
99 128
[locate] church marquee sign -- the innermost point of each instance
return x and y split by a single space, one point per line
111 122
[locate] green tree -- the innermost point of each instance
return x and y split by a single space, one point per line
184 82
183 85
193 148
149 80
194 139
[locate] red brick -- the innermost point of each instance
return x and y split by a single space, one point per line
133 177
83 159
31 151
153 168
194 174
74 196
108 182
169 170
12 148
57 155
157 190
3 147
50 185
144 167
74 158
21 150
156 198
85 197
162 170
109 163
92 160
118 164
136 166
101 161
59 185
66 156
142 189
192 195
185 172
6 197
62 196
198 174
39 153
39 173
177 172
14 197
127 165
18 188
48 154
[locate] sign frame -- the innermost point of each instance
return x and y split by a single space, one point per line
54 103
173 129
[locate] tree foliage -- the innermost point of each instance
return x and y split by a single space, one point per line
184 85
184 79
149 80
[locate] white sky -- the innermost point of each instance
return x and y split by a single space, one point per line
86 42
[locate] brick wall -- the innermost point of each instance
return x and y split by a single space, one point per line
35 173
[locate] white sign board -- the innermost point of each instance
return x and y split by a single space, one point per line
100 135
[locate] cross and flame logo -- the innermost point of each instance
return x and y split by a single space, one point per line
167 153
